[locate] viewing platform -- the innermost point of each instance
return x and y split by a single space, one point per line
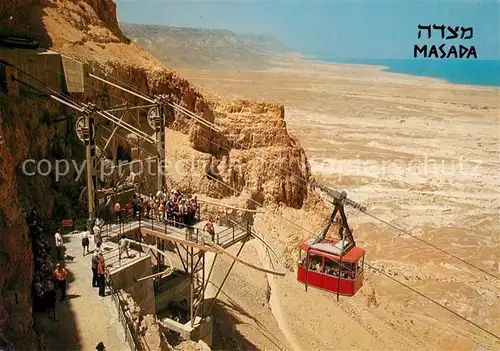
225 236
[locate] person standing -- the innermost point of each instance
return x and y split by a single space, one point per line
135 205
85 242
59 245
49 296
209 227
100 275
161 211
118 209
97 236
123 247
60 274
95 263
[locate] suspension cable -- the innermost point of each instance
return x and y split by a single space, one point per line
433 301
432 245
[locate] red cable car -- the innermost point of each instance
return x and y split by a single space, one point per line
333 265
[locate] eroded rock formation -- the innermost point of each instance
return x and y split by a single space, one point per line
145 328
149 333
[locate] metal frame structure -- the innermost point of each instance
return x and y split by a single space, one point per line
191 245
157 104
339 200
194 262
88 135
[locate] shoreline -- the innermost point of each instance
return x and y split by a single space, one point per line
297 57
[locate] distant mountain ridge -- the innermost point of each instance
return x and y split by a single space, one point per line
204 48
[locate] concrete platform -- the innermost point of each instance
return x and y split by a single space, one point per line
111 256
125 277
202 329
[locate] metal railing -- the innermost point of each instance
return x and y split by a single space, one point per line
169 226
234 231
128 329
224 237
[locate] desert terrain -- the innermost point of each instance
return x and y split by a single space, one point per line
422 155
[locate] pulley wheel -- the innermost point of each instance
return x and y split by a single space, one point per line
152 116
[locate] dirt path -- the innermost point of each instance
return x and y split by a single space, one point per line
85 318
275 303
274 298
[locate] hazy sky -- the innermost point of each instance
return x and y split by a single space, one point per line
333 29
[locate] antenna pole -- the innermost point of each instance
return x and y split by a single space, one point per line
88 137
160 140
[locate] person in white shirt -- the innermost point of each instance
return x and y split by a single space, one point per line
85 242
123 247
59 245
97 236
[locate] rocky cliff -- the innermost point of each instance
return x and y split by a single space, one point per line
205 48
245 156
24 134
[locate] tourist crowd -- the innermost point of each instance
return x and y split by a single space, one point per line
49 276
170 207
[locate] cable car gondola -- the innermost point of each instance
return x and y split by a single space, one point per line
333 265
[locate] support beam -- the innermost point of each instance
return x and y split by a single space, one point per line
211 247
163 274
207 312
180 256
107 144
130 142
207 281
88 136
178 240
126 126
197 278
160 144
74 107
126 108
122 88
95 178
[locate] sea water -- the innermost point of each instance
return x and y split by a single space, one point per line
458 71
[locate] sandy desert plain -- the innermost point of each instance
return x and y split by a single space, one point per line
421 154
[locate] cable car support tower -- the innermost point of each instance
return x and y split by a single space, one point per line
339 199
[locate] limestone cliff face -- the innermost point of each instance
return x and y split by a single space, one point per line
24 135
15 258
254 156
262 157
